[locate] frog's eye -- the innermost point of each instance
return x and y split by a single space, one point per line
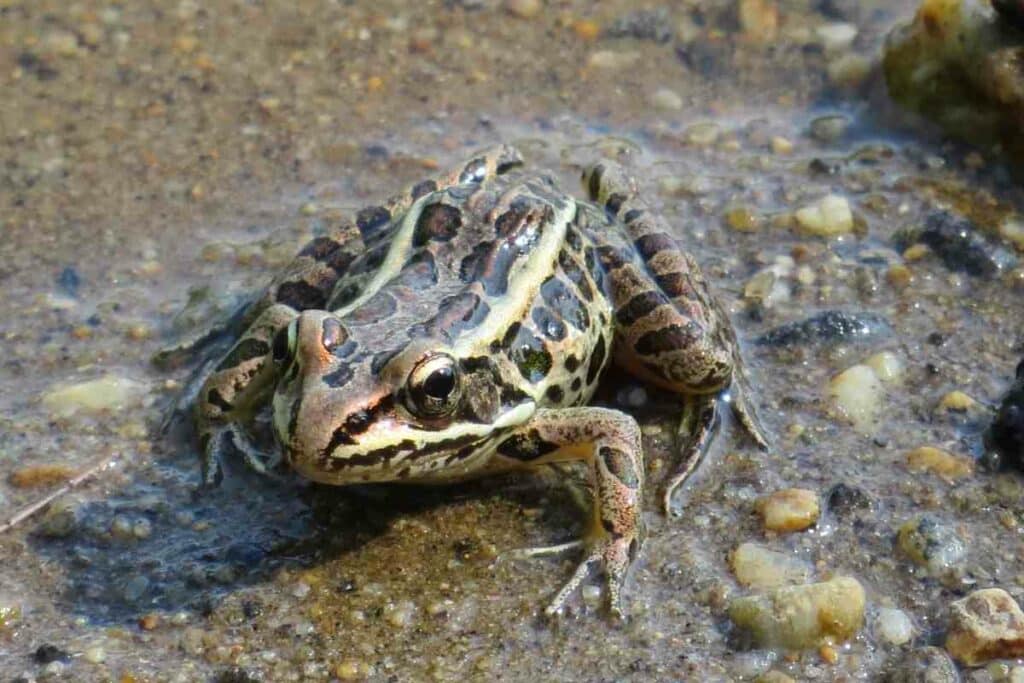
284 343
433 386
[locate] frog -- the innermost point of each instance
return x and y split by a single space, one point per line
461 328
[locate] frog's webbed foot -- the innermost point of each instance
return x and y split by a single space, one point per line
696 427
220 440
609 441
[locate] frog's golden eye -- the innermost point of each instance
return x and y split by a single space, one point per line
433 386
283 345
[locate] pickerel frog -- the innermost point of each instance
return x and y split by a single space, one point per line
460 330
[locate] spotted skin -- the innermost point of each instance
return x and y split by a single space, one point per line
461 328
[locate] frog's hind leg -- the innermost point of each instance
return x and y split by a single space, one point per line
670 329
609 441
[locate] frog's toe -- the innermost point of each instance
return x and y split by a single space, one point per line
615 554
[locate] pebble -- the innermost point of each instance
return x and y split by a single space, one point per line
400 614
836 37
887 365
789 510
829 128
774 677
937 461
924 665
62 518
668 100
781 145
109 392
829 217
610 59
742 219
857 394
703 134
1012 230
300 590
799 617
349 670
40 475
760 568
149 622
828 327
759 19
525 9
95 654
931 543
987 624
894 626
957 401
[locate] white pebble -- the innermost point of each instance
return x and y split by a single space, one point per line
887 365
830 216
894 626
666 99
836 37
106 393
857 394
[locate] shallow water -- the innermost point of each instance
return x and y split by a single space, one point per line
160 149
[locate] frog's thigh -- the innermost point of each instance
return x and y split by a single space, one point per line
610 442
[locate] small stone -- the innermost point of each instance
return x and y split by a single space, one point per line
830 217
95 654
61 519
899 276
149 622
836 37
763 569
774 677
1012 230
789 510
109 392
829 128
122 528
37 476
300 590
759 19
932 544
937 461
48 653
703 134
591 595
781 145
887 366
668 100
957 401
349 669
849 70
857 394
916 252
742 219
894 626
828 654
805 616
524 9
988 624
585 29
925 665
400 614
610 59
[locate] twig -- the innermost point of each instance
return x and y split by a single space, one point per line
73 483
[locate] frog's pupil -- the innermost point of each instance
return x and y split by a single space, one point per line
440 383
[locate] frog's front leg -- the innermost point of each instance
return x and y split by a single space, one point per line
609 441
234 391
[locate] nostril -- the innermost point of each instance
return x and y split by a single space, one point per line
333 334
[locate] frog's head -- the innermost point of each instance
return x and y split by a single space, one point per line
348 408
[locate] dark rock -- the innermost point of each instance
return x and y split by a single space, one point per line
1006 435
1011 11
236 674
957 242
69 281
843 500
827 327
48 653
650 24
925 665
